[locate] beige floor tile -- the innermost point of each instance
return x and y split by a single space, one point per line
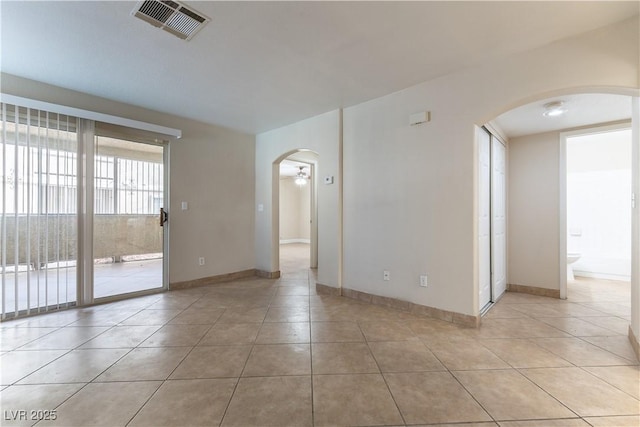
145 364
336 332
176 336
577 327
487 424
618 345
187 402
290 301
50 320
65 338
625 378
507 395
278 359
500 311
516 328
433 397
121 337
386 331
404 356
252 402
18 364
104 404
287 314
615 324
353 400
12 338
567 422
76 366
523 353
32 397
342 358
582 392
195 316
283 333
104 317
151 317
231 333
213 362
293 290
173 302
243 315
465 354
580 353
621 421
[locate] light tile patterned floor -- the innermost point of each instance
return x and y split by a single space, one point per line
273 353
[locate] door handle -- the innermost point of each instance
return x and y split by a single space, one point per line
164 217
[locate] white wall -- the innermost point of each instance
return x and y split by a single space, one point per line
534 210
409 192
295 210
212 168
320 134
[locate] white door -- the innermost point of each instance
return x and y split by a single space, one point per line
484 217
498 218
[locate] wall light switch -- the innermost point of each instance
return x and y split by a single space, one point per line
328 180
185 206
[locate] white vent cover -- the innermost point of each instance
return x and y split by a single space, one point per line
171 16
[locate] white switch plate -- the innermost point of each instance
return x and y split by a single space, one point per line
328 180
260 207
386 275
185 206
423 280
201 261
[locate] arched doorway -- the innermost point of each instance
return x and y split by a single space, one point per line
300 164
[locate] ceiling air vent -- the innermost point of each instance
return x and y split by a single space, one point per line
171 16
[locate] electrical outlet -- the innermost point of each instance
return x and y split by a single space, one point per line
386 275
423 280
201 260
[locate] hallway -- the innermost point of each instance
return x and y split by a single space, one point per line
272 352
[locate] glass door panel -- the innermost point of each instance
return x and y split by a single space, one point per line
128 195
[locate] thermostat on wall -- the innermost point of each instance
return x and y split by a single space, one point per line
328 180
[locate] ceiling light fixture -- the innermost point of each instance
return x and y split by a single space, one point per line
301 178
554 109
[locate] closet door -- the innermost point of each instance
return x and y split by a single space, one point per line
498 218
484 217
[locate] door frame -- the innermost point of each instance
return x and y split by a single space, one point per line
562 203
88 216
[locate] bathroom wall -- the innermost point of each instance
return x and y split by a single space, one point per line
598 204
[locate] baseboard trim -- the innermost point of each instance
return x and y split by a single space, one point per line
532 290
327 290
417 309
211 280
268 274
287 241
634 343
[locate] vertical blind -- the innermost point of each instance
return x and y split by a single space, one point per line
39 188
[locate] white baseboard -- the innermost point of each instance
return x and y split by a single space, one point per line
287 241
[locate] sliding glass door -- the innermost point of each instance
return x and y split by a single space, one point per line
80 213
128 239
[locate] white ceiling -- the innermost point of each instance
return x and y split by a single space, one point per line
582 110
261 65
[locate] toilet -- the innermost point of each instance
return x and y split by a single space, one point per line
571 258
